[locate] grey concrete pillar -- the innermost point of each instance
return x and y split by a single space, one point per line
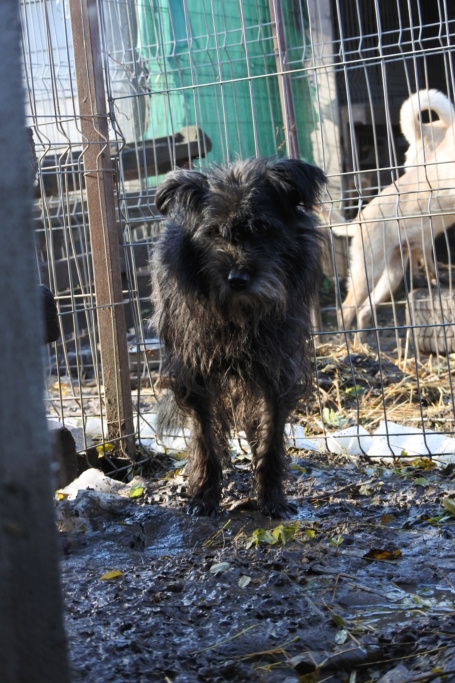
32 640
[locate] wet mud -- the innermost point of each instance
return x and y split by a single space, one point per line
359 586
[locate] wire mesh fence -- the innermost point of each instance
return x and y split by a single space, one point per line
194 82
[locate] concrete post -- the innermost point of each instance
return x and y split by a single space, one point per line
32 640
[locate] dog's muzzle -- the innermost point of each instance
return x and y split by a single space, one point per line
238 280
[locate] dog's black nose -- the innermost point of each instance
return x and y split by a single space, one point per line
238 280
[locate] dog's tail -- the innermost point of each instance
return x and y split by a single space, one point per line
424 100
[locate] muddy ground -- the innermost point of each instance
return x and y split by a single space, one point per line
359 586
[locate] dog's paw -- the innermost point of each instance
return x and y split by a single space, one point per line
202 508
282 509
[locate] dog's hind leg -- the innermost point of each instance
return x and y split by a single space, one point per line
357 292
347 314
269 457
205 471
428 263
386 285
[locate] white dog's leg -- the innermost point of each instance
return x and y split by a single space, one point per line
386 285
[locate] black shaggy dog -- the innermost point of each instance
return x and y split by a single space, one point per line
235 271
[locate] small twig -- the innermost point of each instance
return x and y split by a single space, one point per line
226 640
331 494
438 569
211 540
428 676
238 534
279 649
391 660
332 611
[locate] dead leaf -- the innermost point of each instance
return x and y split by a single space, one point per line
104 449
382 554
422 481
136 490
260 537
338 621
220 567
280 534
244 581
284 533
341 636
180 455
110 576
423 463
386 519
449 505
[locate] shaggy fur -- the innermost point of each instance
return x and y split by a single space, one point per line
234 277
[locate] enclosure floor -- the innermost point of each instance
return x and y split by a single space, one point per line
363 579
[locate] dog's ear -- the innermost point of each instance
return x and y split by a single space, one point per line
184 189
302 183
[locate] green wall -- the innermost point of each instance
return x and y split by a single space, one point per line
205 69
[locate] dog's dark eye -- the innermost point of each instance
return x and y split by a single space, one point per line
215 231
260 228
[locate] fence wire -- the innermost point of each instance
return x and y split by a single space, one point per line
194 82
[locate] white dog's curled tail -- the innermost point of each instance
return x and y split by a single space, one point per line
424 100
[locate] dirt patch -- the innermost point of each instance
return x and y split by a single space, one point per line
360 586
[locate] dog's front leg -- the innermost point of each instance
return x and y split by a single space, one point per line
205 475
269 457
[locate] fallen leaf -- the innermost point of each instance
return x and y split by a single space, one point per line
280 534
337 540
136 490
421 481
181 455
421 603
284 533
244 581
110 576
260 536
172 474
354 391
220 567
423 463
298 468
338 621
381 554
104 449
386 519
341 636
449 505
61 388
333 418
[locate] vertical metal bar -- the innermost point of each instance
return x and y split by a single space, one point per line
284 78
104 233
287 107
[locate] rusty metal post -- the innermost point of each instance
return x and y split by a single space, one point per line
284 79
287 106
104 235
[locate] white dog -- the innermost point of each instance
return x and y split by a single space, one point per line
399 225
